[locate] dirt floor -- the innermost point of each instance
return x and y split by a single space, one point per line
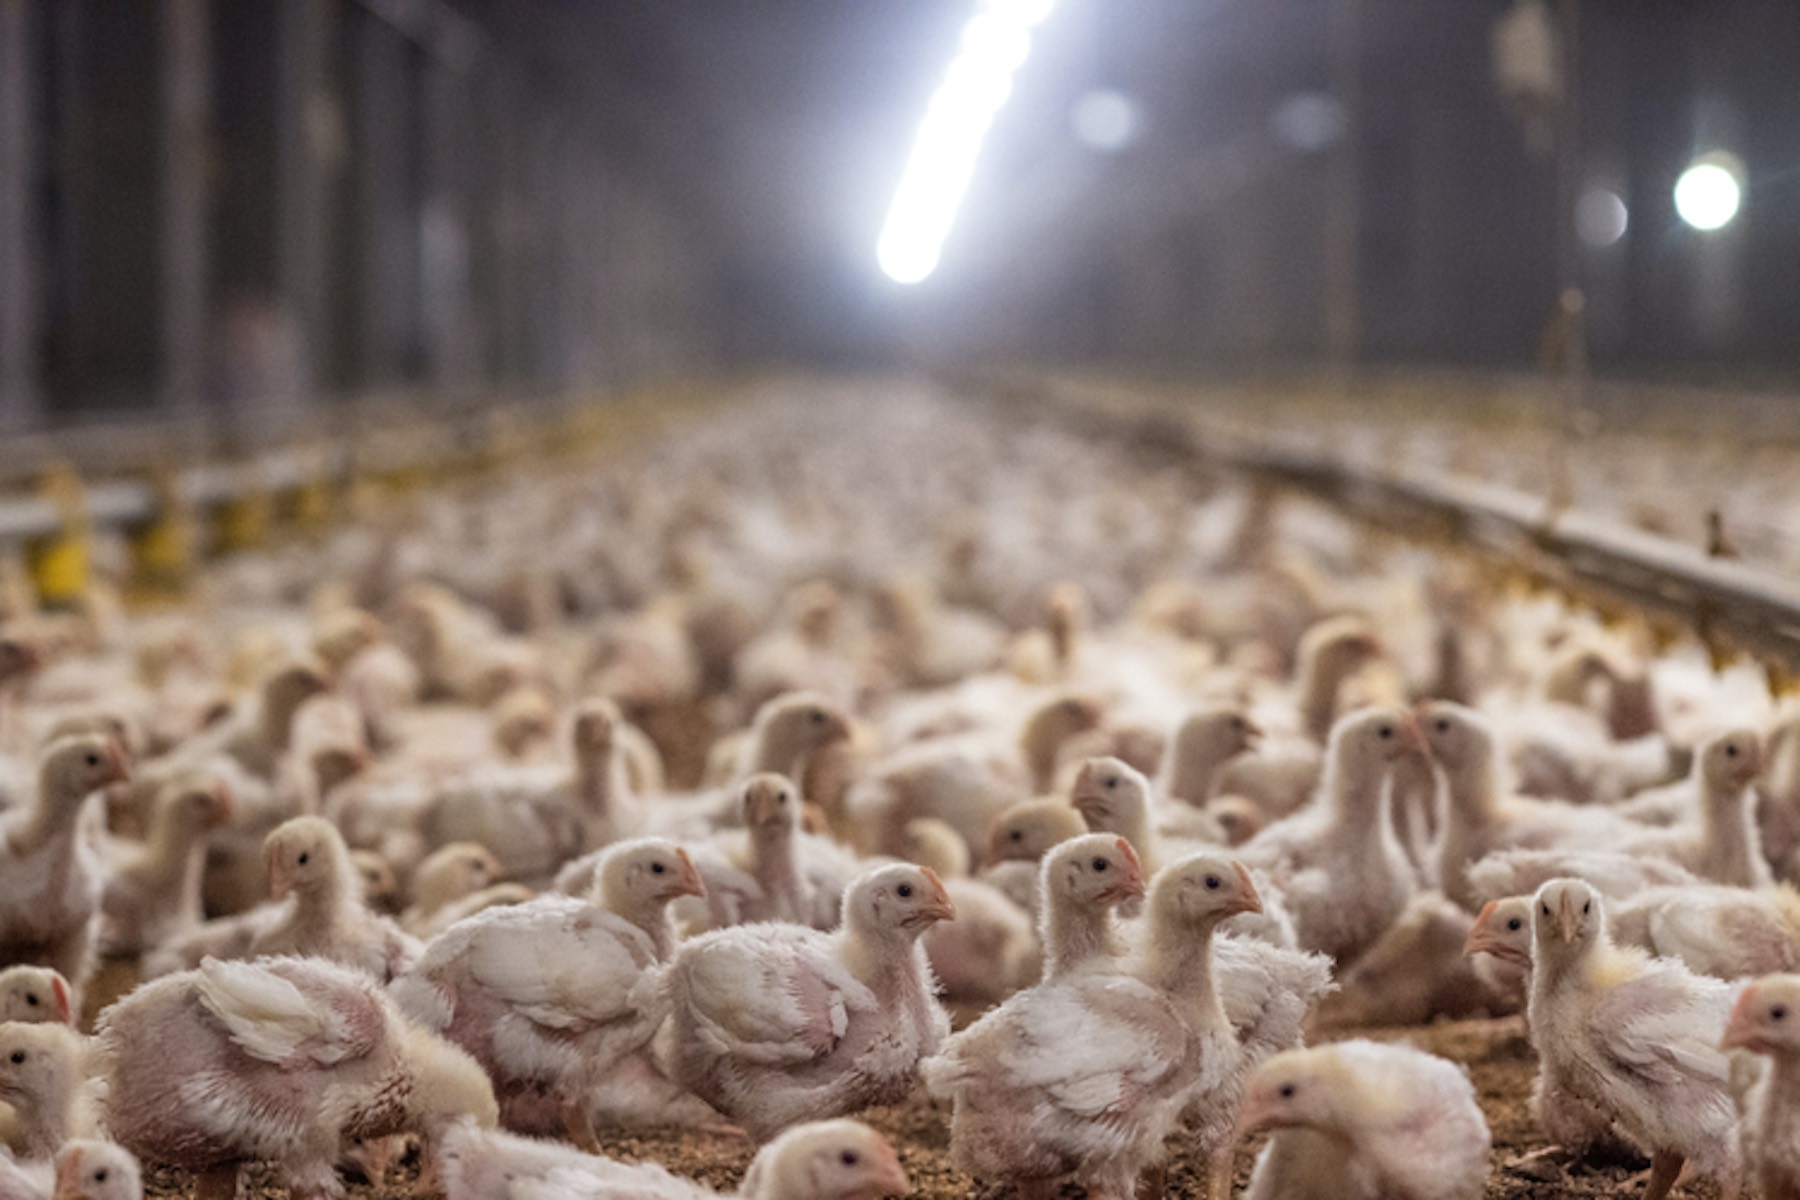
1496 1053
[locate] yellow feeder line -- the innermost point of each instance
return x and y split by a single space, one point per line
59 562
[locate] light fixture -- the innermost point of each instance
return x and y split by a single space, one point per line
1600 217
1709 193
978 82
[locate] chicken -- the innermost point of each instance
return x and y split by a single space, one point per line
1360 1120
94 1170
26 1181
776 1024
153 890
1088 1073
456 881
1204 742
279 1060
1634 1037
34 994
380 884
821 1160
1017 841
1502 934
49 878
1338 865
43 1076
1725 932
551 996
307 858
1727 846
1081 882
1479 817
1763 1022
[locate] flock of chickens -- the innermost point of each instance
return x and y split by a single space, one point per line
703 786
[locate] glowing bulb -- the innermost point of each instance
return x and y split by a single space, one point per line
977 84
1105 120
1708 194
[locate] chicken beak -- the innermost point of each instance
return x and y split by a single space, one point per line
889 1177
224 805
1132 887
1740 1029
1565 917
939 907
65 1004
281 879
1412 739
1254 1115
119 766
1480 937
68 1176
1253 733
689 883
1249 901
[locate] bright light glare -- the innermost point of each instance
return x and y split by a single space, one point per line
1600 217
1105 119
1708 194
994 44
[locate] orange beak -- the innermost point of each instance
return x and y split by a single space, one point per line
688 882
68 1177
119 765
887 1174
281 877
1249 901
1740 1029
65 1004
1131 885
224 805
1480 936
1565 917
1253 733
939 908
1256 1113
1412 739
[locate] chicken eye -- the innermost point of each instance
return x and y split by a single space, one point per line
1546 910
849 1158
657 868
100 1175
816 717
781 797
1385 732
93 760
1212 883
31 999
1237 722
1111 784
1287 1091
1778 1013
1099 864
18 1056
1017 835
1443 725
1514 924
1589 904
1731 752
905 891
304 855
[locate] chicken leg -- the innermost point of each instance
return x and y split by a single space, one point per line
1665 1166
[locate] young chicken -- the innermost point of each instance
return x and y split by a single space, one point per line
35 994
1087 1074
821 1160
1725 932
1341 870
1613 874
87 1169
43 1076
1204 742
776 1024
457 881
1017 841
153 890
1764 1022
1418 971
1502 935
278 1060
307 859
50 880
1634 1037
1479 817
1360 1120
551 996
991 949
1727 846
